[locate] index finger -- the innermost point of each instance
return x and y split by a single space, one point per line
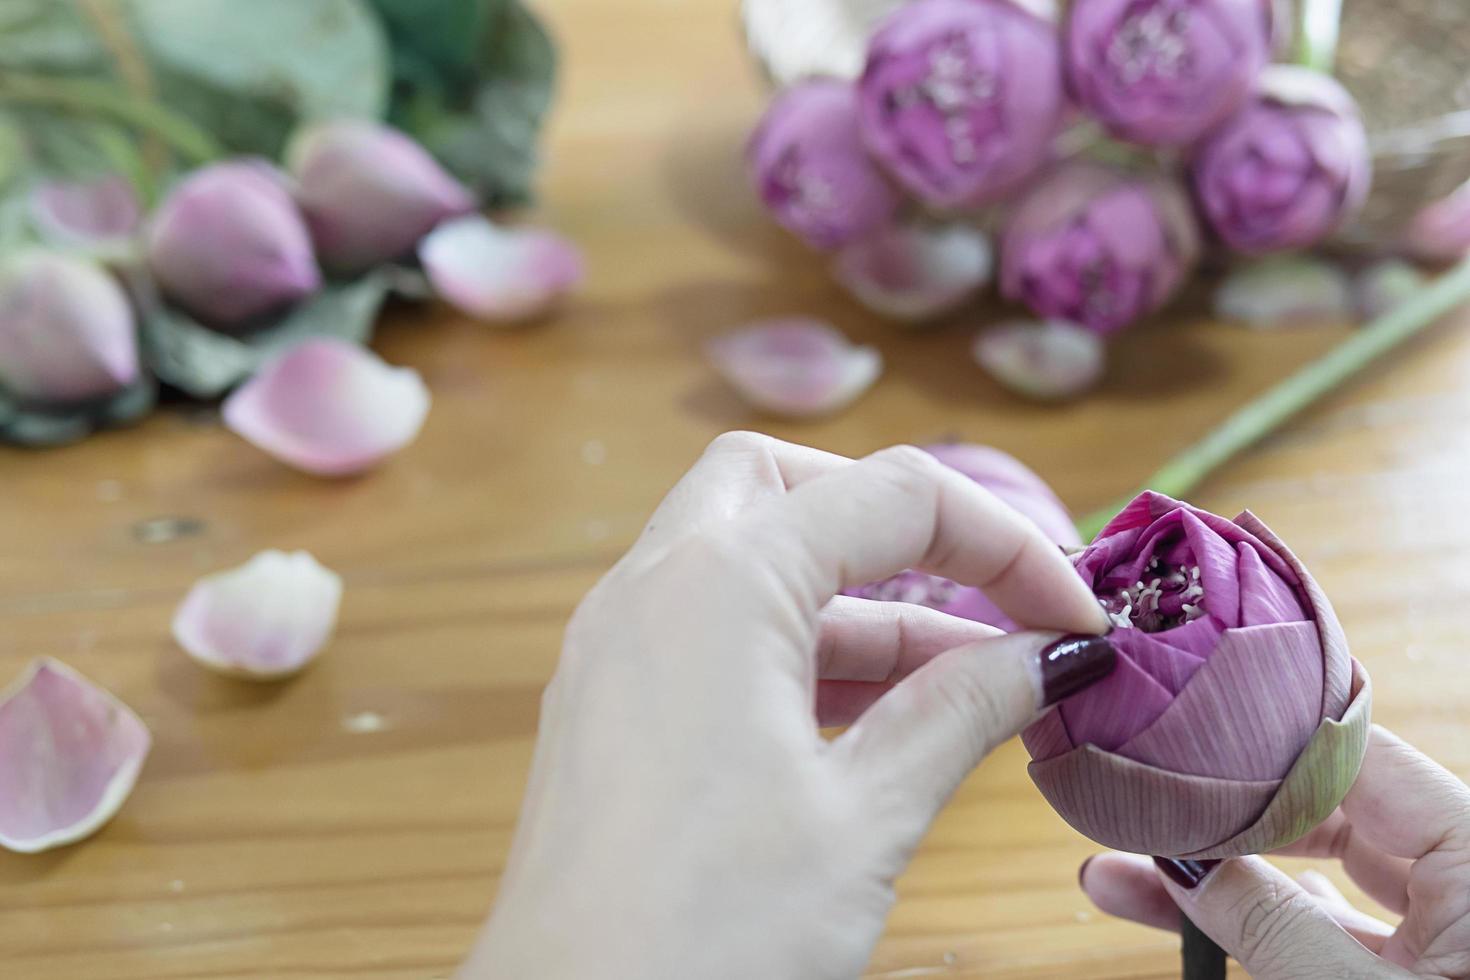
1406 804
902 508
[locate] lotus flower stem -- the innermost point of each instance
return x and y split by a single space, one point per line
1179 476
1203 959
1317 27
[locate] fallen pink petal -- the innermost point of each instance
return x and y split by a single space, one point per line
795 367
265 620
916 272
329 407
1285 290
1049 360
70 754
86 213
499 274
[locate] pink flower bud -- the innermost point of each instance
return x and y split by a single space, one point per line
1164 72
1289 169
961 99
810 168
1440 232
229 246
66 330
1098 246
369 192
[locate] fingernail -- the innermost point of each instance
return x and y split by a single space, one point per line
1073 663
1186 873
1082 872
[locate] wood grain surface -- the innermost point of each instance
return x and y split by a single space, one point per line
351 823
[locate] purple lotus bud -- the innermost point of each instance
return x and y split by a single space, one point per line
229 246
66 330
810 168
1235 719
1098 246
369 192
961 99
1015 484
1288 169
1049 361
1164 72
1285 290
1440 233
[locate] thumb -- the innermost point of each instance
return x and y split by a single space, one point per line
1268 922
921 739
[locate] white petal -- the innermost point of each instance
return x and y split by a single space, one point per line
1285 290
70 753
264 620
795 367
329 407
1047 360
915 272
1384 285
499 274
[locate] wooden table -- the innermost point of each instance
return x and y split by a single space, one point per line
351 823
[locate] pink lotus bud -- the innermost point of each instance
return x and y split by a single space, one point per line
961 99
1288 169
1010 480
1440 233
810 168
66 330
795 367
1285 290
1098 246
915 272
1164 72
229 246
1052 360
1235 719
369 192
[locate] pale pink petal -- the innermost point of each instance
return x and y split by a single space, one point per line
94 212
795 367
1047 360
264 620
1285 290
329 407
1246 713
70 753
915 272
499 274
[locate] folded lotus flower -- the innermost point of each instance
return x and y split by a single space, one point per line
1164 72
101 212
70 753
499 274
795 367
1289 169
329 407
1098 246
229 246
808 164
1235 720
264 620
1383 285
1015 484
66 330
915 271
1282 290
369 191
961 99
1048 360
1440 233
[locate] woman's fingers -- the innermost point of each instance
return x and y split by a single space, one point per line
1383 876
1406 804
1366 929
869 640
902 508
1271 925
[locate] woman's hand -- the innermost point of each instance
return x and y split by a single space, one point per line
1402 833
684 817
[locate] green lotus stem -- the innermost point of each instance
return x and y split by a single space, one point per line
1316 34
1259 418
191 143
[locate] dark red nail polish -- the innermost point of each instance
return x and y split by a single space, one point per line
1082 871
1073 663
1186 873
